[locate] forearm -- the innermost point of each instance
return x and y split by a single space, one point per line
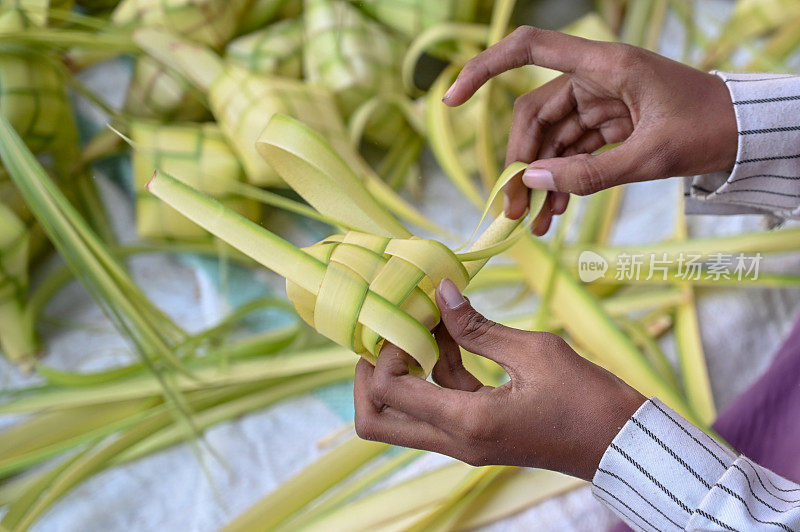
662 473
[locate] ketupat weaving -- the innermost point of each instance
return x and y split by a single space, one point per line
16 337
373 283
362 81
32 92
156 92
349 54
275 50
196 153
210 22
243 102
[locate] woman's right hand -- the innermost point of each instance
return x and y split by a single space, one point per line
671 119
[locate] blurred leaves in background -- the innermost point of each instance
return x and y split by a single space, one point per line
363 79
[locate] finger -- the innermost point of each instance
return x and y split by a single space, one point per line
560 202
516 198
541 224
475 333
449 370
584 174
393 385
590 142
397 428
539 107
532 112
383 423
562 135
524 46
362 395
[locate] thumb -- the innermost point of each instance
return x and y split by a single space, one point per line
585 174
474 332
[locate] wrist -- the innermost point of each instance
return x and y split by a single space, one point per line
605 420
725 127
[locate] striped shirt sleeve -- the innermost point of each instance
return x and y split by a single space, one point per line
766 176
663 473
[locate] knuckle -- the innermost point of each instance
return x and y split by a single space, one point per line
547 342
589 179
525 32
381 387
627 57
477 423
475 71
365 428
474 66
524 37
472 427
475 458
521 106
473 326
558 146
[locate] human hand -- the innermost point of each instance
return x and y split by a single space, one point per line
674 120
558 411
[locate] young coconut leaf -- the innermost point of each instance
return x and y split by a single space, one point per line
36 11
750 19
694 371
487 152
412 17
343 494
302 489
150 330
777 241
513 490
139 427
37 495
33 97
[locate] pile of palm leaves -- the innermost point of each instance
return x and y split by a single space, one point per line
322 108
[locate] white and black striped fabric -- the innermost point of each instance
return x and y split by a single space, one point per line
766 176
663 473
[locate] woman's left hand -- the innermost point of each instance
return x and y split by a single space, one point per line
558 411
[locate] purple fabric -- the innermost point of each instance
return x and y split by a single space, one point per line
763 423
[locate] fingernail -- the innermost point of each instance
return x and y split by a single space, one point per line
448 93
539 179
506 204
451 294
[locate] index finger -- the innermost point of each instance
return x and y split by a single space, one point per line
524 46
396 387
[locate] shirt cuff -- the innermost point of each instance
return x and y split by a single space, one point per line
659 468
766 176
